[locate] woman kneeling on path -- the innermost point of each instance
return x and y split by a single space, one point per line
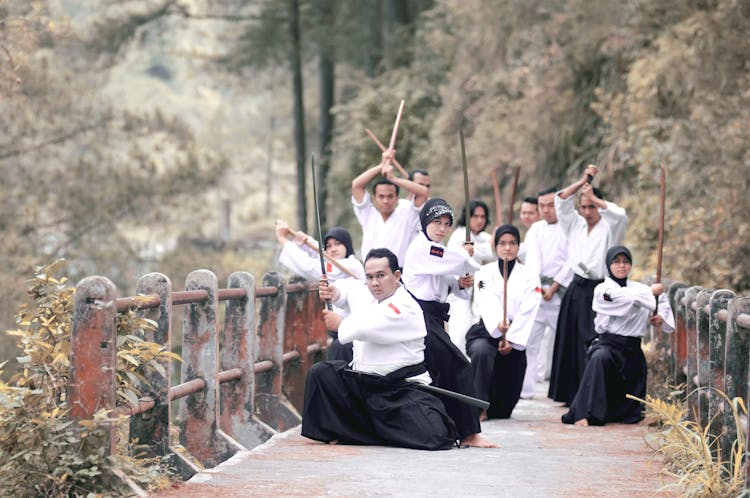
615 362
497 343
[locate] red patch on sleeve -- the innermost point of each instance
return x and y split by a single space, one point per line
539 290
329 267
437 251
393 307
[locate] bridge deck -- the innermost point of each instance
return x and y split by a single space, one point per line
537 456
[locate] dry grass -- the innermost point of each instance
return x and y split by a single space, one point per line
691 454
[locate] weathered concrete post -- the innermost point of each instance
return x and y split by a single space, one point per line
151 428
298 319
670 341
271 405
703 347
717 405
737 368
238 351
199 412
679 336
691 328
93 352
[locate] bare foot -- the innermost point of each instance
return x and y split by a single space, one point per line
583 422
483 416
477 441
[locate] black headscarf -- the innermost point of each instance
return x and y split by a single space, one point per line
503 229
342 236
612 253
433 209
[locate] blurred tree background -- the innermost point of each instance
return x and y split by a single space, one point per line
167 135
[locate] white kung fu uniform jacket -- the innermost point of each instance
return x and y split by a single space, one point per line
431 270
524 297
587 251
386 335
395 233
625 310
303 261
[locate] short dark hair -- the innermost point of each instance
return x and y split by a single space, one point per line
550 190
415 171
383 181
530 200
382 252
473 205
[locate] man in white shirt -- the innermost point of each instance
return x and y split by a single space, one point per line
546 255
376 402
597 226
386 220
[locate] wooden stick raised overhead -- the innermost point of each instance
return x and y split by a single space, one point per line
395 125
513 194
660 243
333 261
382 148
498 204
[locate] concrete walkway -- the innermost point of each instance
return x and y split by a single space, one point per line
538 456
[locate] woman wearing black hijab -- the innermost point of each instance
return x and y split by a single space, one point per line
432 271
499 366
615 362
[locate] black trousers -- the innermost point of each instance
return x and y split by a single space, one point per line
449 368
616 367
497 378
575 332
356 408
338 351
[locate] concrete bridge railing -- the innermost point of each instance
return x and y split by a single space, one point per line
710 352
244 381
240 383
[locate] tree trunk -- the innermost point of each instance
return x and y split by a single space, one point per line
299 114
396 18
326 67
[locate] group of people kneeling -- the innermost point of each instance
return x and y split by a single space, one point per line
389 340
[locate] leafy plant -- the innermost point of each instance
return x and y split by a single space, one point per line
42 452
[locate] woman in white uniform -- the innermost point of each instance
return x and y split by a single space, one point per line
462 314
615 362
432 272
305 261
499 365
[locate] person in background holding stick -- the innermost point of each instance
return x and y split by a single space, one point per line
546 254
300 256
508 297
386 220
529 214
529 211
598 226
386 407
461 313
616 365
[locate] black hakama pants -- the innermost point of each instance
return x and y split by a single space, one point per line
575 331
616 367
449 368
357 408
497 378
338 351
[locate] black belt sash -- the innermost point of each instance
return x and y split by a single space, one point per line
395 376
435 308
